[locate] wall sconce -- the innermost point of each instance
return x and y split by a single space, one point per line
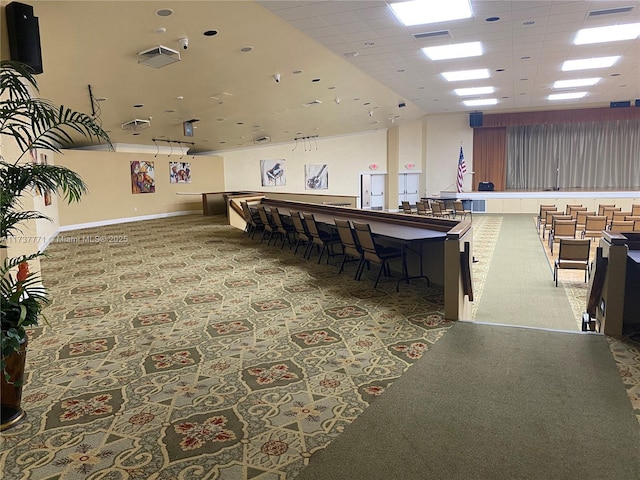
373 166
409 166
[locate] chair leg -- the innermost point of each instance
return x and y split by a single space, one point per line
382 267
555 274
324 246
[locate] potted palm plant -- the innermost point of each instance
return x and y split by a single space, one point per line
29 123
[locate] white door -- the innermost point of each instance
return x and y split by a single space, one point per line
377 192
408 184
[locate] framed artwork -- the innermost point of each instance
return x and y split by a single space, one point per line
272 173
179 172
143 177
316 177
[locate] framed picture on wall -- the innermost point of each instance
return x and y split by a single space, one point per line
316 177
179 172
142 177
272 173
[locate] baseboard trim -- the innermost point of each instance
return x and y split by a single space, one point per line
115 221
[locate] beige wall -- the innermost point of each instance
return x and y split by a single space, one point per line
108 177
347 157
444 134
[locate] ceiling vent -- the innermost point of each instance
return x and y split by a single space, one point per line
264 139
609 11
439 33
159 56
136 125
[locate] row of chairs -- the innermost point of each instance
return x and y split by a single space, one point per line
356 240
588 223
563 228
437 208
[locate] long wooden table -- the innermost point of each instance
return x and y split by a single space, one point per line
444 244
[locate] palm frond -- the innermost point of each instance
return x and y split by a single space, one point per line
17 78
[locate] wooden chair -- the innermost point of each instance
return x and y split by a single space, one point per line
562 229
619 215
282 229
581 218
569 208
602 206
437 210
608 212
350 247
374 252
573 211
423 208
459 210
636 226
406 207
635 209
548 224
621 226
302 233
542 215
269 227
594 226
323 240
572 254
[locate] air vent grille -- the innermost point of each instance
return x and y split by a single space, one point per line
609 11
438 33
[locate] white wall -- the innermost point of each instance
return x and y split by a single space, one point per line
444 134
346 156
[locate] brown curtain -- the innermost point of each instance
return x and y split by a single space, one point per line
490 157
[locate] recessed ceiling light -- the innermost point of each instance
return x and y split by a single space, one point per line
466 75
164 12
566 96
480 103
587 63
465 92
315 80
578 82
420 12
138 105
460 50
246 49
492 19
210 33
611 33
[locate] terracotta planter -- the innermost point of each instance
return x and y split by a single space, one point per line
11 390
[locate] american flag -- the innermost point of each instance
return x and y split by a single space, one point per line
462 169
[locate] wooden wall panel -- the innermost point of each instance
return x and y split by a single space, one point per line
559 116
490 157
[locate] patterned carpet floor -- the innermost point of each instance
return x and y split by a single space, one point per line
179 348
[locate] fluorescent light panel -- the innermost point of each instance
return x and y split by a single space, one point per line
566 96
480 103
460 50
466 75
612 33
587 63
420 12
578 82
465 92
